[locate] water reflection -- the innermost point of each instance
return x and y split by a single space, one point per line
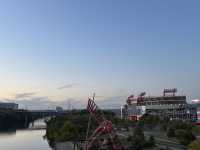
23 140
8 132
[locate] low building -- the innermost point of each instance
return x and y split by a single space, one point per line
169 105
59 109
6 105
196 104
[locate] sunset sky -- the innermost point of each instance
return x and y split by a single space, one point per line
61 50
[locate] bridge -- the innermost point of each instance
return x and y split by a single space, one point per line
28 116
46 113
38 124
37 118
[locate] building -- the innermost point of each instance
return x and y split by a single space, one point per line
6 105
59 109
168 105
196 104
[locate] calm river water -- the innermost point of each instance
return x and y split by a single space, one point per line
24 140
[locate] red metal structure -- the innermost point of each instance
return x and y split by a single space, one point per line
170 91
135 99
105 127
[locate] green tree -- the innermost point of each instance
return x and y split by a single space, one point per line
68 132
170 132
149 121
163 127
137 140
151 142
178 124
196 130
185 137
123 123
195 145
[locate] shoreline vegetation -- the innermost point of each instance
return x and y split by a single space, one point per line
147 133
70 127
136 135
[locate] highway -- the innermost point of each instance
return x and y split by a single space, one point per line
161 142
64 146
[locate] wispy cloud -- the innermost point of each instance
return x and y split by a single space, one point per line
43 102
24 95
30 100
68 86
36 103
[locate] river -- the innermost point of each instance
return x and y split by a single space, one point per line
24 140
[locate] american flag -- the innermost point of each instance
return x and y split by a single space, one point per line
91 107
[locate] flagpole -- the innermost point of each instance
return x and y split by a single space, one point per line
88 128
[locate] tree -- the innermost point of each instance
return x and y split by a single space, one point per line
151 142
123 123
149 121
185 137
68 132
163 127
178 124
170 132
138 139
195 145
71 127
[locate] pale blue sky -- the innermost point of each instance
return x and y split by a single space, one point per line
110 47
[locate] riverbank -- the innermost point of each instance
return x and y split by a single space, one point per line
24 140
29 138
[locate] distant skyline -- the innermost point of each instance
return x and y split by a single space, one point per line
66 50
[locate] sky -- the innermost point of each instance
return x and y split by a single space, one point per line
61 52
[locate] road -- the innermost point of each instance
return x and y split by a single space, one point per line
64 146
160 141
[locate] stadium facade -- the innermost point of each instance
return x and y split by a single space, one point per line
168 105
